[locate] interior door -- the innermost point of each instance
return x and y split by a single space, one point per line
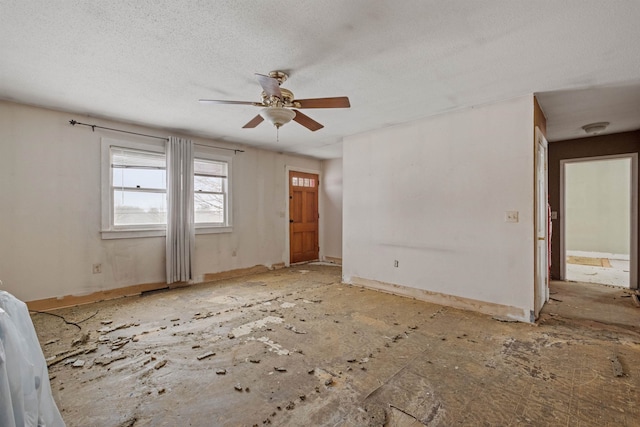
303 217
541 292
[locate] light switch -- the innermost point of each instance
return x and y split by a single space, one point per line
554 214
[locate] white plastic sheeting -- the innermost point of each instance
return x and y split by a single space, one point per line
25 393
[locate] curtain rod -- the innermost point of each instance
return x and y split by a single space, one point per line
93 127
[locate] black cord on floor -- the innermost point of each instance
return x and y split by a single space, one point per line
65 320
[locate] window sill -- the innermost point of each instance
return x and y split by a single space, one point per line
134 234
213 230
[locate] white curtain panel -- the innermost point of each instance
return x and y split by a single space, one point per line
180 224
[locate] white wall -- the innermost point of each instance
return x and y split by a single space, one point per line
50 210
331 193
598 206
432 194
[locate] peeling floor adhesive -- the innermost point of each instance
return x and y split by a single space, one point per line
247 328
225 299
277 348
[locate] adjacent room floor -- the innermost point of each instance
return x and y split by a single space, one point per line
594 267
296 347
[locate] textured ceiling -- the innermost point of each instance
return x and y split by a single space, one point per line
148 62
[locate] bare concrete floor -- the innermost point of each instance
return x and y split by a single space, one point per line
298 348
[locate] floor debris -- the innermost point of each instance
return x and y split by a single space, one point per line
505 319
293 329
205 355
616 366
65 355
82 340
420 373
107 360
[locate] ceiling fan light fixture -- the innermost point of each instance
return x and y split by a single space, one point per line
280 106
595 128
278 116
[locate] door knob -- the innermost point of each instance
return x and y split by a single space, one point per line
290 221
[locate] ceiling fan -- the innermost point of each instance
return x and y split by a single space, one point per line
280 106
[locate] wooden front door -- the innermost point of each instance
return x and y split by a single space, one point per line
303 216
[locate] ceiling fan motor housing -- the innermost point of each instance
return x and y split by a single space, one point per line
285 101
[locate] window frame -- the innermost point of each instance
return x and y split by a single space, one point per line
202 152
110 231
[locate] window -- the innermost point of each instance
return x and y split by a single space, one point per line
134 190
303 182
210 189
138 187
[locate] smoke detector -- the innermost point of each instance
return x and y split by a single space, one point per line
595 128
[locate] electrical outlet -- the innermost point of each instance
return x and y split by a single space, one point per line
97 268
511 216
395 263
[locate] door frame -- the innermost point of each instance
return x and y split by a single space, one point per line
287 239
633 250
541 284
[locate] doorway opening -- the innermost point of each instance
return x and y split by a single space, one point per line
599 220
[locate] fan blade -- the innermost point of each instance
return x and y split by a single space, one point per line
219 101
339 102
253 122
307 121
270 85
